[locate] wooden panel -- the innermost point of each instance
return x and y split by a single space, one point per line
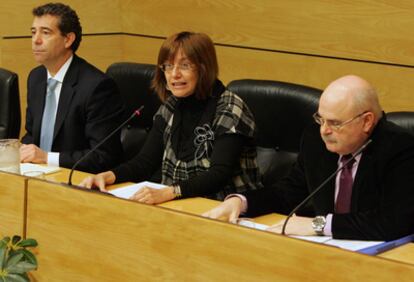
141 49
367 30
404 253
62 176
100 51
85 236
394 84
11 204
191 205
95 16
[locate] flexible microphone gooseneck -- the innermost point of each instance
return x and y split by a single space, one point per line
360 150
135 113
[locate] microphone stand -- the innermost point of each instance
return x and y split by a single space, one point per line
135 113
323 184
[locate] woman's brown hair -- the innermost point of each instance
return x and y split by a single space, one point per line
199 49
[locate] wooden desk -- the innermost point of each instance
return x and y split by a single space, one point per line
198 206
12 204
62 176
86 236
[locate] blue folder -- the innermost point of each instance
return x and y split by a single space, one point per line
386 246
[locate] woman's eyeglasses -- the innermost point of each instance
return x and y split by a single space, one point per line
182 67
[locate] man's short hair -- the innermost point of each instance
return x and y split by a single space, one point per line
68 20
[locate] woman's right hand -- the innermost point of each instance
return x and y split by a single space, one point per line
100 181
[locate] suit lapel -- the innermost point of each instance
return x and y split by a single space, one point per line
38 101
66 94
322 164
330 164
364 166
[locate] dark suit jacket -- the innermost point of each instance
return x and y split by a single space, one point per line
382 205
89 109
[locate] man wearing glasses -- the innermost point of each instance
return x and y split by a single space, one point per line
371 198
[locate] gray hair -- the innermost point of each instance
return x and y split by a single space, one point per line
366 99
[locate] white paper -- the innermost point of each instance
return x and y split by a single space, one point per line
127 191
316 239
252 224
26 167
352 245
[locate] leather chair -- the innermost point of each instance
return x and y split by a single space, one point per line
9 105
282 110
403 119
134 83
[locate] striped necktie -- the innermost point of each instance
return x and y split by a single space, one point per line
49 116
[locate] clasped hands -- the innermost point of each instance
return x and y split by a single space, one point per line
230 209
30 153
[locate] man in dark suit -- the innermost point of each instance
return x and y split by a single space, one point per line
71 105
372 198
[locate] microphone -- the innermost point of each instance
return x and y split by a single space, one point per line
359 151
135 113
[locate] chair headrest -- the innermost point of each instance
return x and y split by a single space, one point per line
134 83
281 110
9 104
403 119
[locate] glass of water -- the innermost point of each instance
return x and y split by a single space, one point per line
10 155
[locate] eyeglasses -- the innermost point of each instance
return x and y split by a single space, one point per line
182 67
334 124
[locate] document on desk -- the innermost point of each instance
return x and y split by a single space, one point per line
27 167
365 247
252 224
127 191
352 245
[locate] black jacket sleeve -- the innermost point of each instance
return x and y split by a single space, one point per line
224 160
147 161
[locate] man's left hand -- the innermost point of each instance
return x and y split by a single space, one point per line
32 154
297 225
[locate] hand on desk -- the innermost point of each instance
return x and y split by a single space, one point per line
153 196
100 181
228 210
32 154
145 195
297 225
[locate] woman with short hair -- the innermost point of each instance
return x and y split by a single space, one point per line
202 135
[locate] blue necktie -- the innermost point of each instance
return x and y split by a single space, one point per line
49 116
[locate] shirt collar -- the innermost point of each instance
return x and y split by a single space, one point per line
357 159
60 75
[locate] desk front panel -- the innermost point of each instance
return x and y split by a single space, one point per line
85 236
12 203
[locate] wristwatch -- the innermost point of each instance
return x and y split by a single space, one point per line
318 224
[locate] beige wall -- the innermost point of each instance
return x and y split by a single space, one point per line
97 18
307 42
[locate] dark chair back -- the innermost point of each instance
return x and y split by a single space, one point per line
9 105
134 83
282 110
403 119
